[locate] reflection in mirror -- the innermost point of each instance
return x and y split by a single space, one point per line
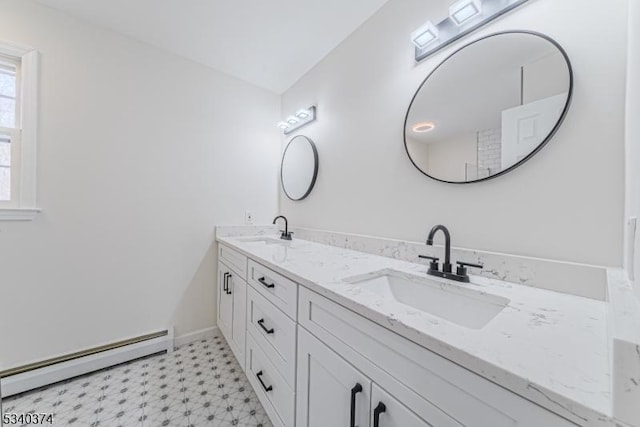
299 167
488 107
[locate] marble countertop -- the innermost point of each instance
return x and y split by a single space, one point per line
549 347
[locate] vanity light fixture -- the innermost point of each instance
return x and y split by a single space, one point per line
423 127
302 117
463 11
303 114
465 16
425 35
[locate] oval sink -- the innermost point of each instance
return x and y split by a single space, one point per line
463 306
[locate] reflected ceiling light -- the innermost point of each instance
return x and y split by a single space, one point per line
302 117
425 35
465 16
423 127
463 11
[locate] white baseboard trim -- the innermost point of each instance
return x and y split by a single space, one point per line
26 381
196 336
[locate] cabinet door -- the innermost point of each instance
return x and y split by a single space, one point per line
238 289
225 301
386 411
330 392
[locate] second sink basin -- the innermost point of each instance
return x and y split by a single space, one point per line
463 306
262 239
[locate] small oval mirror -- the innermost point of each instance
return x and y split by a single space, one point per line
299 167
489 107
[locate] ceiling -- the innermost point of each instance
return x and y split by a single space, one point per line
270 43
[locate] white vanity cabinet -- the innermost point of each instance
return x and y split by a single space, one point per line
331 390
232 301
433 390
315 363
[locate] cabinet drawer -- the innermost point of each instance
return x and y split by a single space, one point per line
235 260
419 378
277 398
274 332
279 290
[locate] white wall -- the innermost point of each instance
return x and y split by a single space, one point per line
633 131
566 203
141 154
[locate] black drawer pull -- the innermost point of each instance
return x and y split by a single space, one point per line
261 323
355 390
259 375
376 413
225 287
264 282
228 287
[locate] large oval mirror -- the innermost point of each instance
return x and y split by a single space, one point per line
488 107
299 167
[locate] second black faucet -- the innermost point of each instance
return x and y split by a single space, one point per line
286 234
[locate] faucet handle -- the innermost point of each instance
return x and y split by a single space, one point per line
433 265
462 270
468 264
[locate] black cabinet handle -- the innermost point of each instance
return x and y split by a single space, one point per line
355 390
264 282
267 389
228 288
376 413
261 323
226 284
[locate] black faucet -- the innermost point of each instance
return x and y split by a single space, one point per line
446 267
286 234
461 271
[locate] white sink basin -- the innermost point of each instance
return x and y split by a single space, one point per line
464 306
264 240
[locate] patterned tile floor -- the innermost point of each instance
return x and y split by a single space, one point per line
200 384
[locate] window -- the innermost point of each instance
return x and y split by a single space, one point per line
18 126
9 129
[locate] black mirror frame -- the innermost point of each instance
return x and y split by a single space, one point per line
539 147
315 168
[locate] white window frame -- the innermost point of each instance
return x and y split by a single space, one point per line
24 207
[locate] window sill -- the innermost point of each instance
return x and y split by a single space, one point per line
19 214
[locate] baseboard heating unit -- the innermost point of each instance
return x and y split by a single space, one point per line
34 375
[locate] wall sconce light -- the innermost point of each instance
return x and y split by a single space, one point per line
465 17
301 118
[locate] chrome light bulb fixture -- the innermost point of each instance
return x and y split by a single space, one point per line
301 118
463 11
425 35
465 16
